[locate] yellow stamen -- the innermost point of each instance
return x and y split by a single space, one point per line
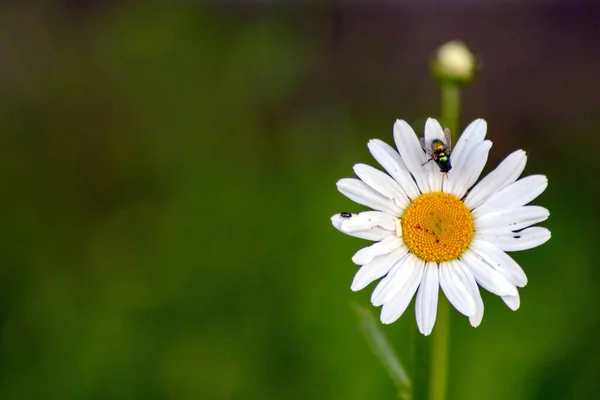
437 227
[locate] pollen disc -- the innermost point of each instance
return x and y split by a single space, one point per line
437 227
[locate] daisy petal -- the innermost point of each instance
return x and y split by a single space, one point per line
512 219
383 184
466 173
427 299
375 233
469 280
455 289
506 173
489 279
367 220
386 246
433 130
500 261
359 192
513 302
394 309
516 241
476 319
412 153
471 137
435 176
391 161
518 193
377 268
370 225
395 281
468 277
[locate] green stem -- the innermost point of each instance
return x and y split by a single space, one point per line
450 94
438 375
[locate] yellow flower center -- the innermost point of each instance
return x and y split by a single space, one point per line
437 227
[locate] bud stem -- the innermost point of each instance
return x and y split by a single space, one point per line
450 108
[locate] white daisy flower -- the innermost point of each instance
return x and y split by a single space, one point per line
433 230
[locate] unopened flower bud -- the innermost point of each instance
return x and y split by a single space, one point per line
454 62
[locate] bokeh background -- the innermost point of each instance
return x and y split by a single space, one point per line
168 175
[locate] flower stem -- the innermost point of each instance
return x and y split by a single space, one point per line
450 105
438 375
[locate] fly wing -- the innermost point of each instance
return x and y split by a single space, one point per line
448 140
426 149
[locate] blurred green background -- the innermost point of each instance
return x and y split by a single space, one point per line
169 174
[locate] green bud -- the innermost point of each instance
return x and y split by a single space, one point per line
453 63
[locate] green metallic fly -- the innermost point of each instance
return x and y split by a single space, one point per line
440 151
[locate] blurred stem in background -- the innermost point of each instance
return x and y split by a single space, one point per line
453 66
384 351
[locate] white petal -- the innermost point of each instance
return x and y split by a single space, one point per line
515 241
336 220
469 280
374 235
476 319
383 184
367 220
465 174
506 173
394 309
455 289
375 232
433 130
436 177
471 137
359 192
512 219
391 161
489 279
427 299
412 154
513 302
395 281
377 268
386 246
500 261
518 193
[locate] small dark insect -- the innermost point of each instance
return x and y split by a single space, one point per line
345 215
440 151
